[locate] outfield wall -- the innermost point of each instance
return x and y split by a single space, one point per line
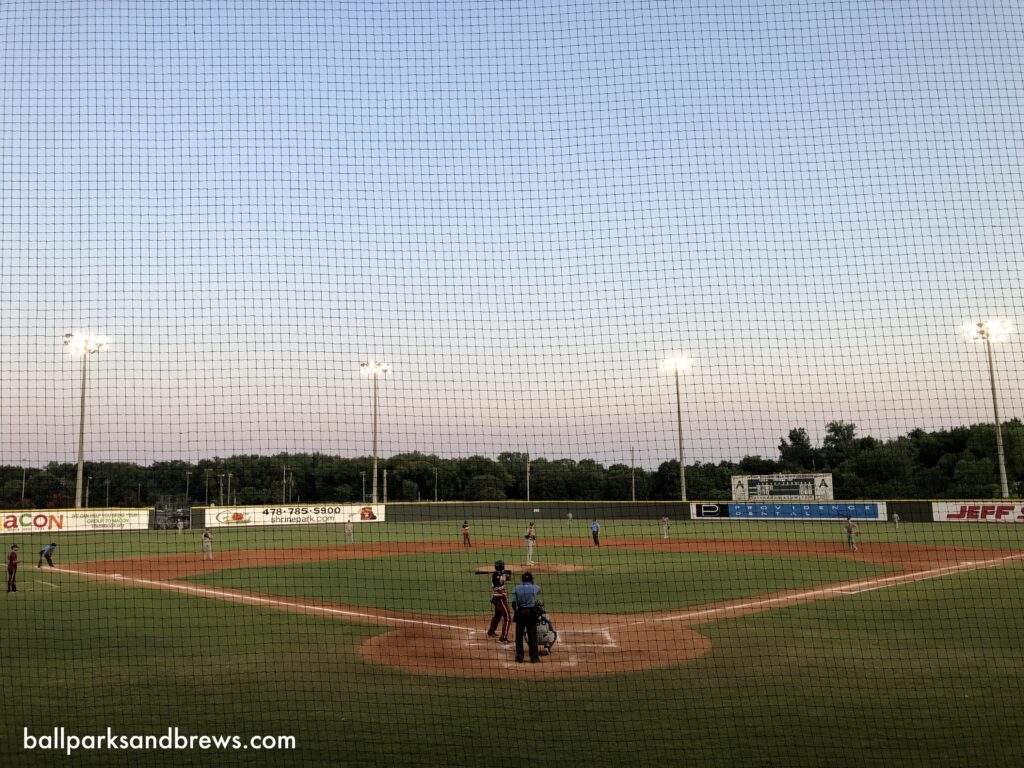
789 510
75 520
292 514
582 511
138 519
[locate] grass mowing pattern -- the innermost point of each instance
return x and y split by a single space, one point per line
621 581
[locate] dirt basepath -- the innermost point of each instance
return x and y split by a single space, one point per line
587 644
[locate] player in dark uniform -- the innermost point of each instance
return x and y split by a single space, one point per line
499 599
12 569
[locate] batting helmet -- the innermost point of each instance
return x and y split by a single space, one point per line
499 565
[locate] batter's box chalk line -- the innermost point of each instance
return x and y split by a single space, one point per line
597 638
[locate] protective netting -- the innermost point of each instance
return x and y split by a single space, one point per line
363 290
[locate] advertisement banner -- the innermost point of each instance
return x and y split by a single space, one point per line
858 510
977 512
294 514
802 487
710 510
74 520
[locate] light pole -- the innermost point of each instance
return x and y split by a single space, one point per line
106 483
229 487
435 484
84 346
376 370
284 484
989 332
24 474
632 473
363 497
88 484
527 475
677 364
188 477
220 491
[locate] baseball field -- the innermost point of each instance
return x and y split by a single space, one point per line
744 643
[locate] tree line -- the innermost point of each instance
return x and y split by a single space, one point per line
955 463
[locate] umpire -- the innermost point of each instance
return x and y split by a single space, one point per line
524 603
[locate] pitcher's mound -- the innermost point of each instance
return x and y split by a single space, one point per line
517 569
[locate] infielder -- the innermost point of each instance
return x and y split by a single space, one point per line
851 534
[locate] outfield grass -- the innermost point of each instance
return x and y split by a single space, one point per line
616 581
80 547
921 674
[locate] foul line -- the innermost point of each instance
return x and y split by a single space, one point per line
697 616
701 615
249 599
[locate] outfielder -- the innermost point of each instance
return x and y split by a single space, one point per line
499 599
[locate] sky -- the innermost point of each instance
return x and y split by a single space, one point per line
522 207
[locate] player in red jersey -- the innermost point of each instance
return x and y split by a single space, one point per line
12 569
499 599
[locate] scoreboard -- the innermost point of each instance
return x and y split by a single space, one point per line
808 487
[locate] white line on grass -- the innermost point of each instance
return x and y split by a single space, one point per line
243 597
699 615
852 588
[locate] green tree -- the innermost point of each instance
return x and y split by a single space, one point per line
485 488
839 443
797 454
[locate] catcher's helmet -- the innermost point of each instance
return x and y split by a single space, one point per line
528 577
499 565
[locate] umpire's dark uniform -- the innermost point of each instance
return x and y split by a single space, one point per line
524 601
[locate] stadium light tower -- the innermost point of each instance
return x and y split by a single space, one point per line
376 370
989 332
676 364
85 346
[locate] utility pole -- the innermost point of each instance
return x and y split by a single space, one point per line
632 471
527 475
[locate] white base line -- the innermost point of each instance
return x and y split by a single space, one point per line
247 599
698 615
852 588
